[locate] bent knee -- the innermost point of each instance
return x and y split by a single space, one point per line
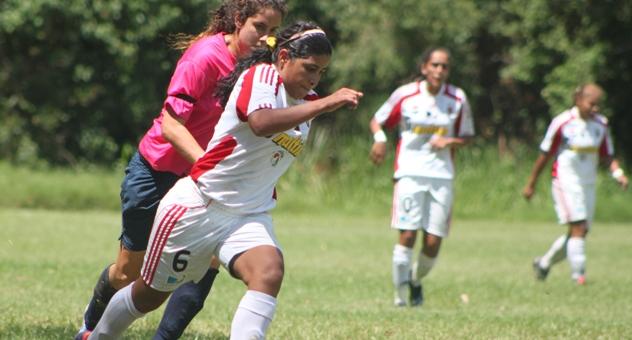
123 275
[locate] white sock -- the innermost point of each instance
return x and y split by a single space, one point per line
118 316
253 316
556 253
402 257
422 267
576 256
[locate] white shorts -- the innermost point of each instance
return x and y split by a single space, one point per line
423 203
573 202
188 231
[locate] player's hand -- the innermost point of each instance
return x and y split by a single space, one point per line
438 142
623 182
378 151
342 97
528 192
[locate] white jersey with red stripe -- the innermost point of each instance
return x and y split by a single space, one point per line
421 116
577 145
239 169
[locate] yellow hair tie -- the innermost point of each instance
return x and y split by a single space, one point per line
271 42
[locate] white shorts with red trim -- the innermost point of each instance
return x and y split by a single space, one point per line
573 202
423 203
188 231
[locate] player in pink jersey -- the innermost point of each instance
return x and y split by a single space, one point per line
222 208
433 118
577 139
176 139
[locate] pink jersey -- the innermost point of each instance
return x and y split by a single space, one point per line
190 97
577 145
421 116
239 169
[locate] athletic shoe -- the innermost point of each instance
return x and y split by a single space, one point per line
398 302
540 273
416 295
581 280
83 335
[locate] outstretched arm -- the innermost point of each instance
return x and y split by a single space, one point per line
529 189
266 122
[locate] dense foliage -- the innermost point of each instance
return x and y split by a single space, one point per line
80 80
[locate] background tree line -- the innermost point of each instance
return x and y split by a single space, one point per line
80 80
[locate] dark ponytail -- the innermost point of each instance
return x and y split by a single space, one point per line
290 39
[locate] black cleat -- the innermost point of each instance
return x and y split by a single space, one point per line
416 295
540 273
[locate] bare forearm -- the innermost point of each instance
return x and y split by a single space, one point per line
266 122
181 139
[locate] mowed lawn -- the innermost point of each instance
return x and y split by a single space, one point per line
338 281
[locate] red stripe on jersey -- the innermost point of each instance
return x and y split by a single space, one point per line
450 94
554 169
604 152
457 123
396 113
399 144
210 159
160 239
245 94
262 74
278 84
270 76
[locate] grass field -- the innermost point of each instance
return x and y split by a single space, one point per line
337 283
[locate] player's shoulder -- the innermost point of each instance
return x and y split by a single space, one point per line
601 119
406 90
208 51
454 92
563 117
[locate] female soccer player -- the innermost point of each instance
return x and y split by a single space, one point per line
577 140
433 118
177 138
222 208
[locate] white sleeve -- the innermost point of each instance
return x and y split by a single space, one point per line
259 90
466 124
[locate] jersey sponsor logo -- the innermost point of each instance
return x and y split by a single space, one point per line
429 130
276 157
584 149
294 145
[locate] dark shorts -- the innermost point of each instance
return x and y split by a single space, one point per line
141 192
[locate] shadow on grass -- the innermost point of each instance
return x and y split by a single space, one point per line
15 331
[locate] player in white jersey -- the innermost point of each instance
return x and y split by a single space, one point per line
222 208
577 139
433 118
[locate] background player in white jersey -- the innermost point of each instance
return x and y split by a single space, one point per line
222 207
577 140
433 118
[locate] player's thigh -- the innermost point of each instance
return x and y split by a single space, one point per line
141 192
440 199
181 246
247 233
572 201
408 204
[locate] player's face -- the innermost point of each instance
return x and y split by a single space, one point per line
436 69
300 75
588 102
254 32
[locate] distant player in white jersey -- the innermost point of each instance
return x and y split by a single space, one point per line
577 139
433 118
222 208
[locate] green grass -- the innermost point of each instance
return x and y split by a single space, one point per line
337 283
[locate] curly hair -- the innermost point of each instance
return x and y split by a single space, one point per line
223 19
